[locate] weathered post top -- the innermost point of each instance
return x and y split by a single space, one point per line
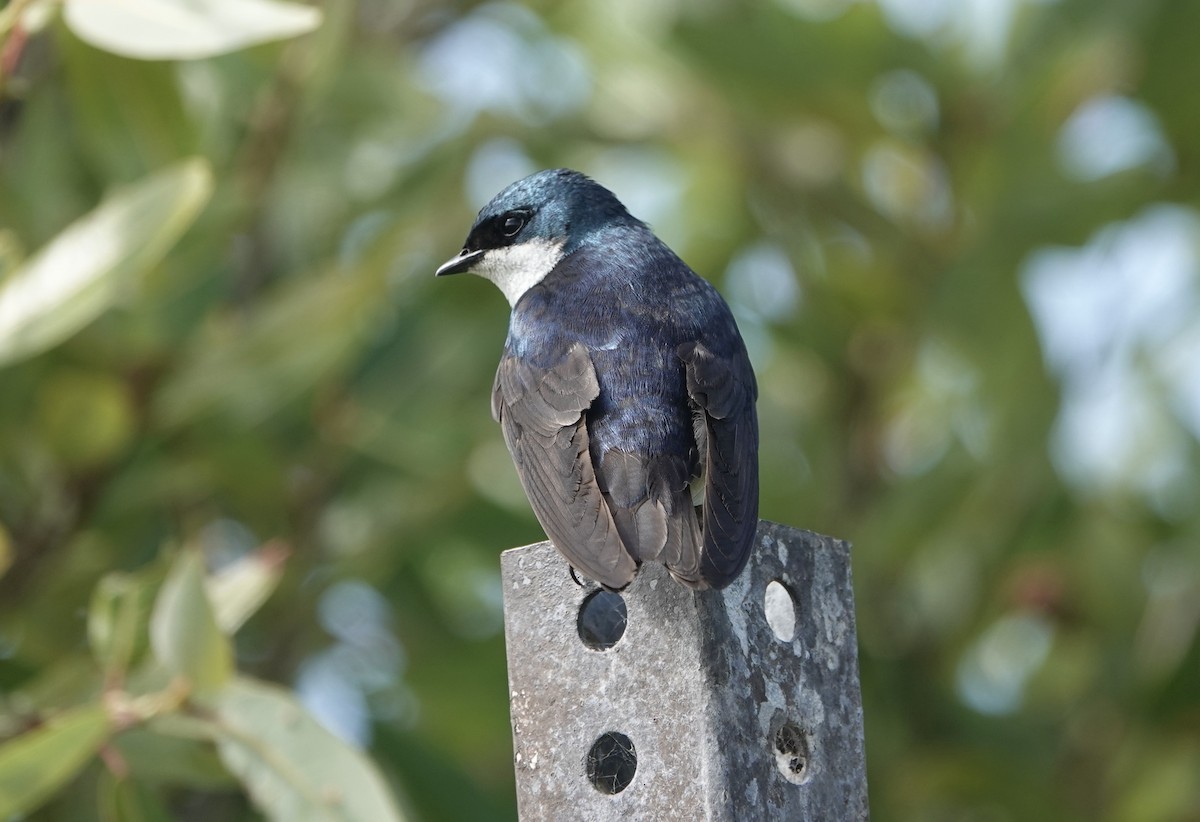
665 703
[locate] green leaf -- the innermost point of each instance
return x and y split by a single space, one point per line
82 271
183 630
156 754
128 800
240 588
292 767
185 29
117 618
36 764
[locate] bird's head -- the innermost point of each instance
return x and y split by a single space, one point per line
523 233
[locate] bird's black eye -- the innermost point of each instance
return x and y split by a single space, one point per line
514 221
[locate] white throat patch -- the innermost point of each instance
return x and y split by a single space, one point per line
517 268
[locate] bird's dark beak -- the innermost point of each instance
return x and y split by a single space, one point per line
459 264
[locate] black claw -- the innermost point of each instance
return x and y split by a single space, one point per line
577 582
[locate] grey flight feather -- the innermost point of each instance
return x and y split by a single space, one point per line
651 504
541 412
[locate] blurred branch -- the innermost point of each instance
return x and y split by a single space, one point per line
13 38
10 14
272 124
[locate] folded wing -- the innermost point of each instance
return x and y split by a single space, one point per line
542 414
723 391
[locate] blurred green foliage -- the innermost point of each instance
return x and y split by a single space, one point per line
962 241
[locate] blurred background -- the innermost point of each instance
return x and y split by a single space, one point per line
962 241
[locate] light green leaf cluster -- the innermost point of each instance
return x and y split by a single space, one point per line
185 700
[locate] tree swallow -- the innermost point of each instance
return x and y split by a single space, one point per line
625 393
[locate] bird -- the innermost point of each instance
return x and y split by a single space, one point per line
625 393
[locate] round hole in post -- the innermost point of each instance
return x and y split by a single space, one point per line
790 744
611 762
780 608
602 620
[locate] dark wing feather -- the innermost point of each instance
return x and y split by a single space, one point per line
541 412
651 505
724 390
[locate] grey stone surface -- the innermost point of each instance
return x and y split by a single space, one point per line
728 721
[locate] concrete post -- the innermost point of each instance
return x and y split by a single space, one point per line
663 703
